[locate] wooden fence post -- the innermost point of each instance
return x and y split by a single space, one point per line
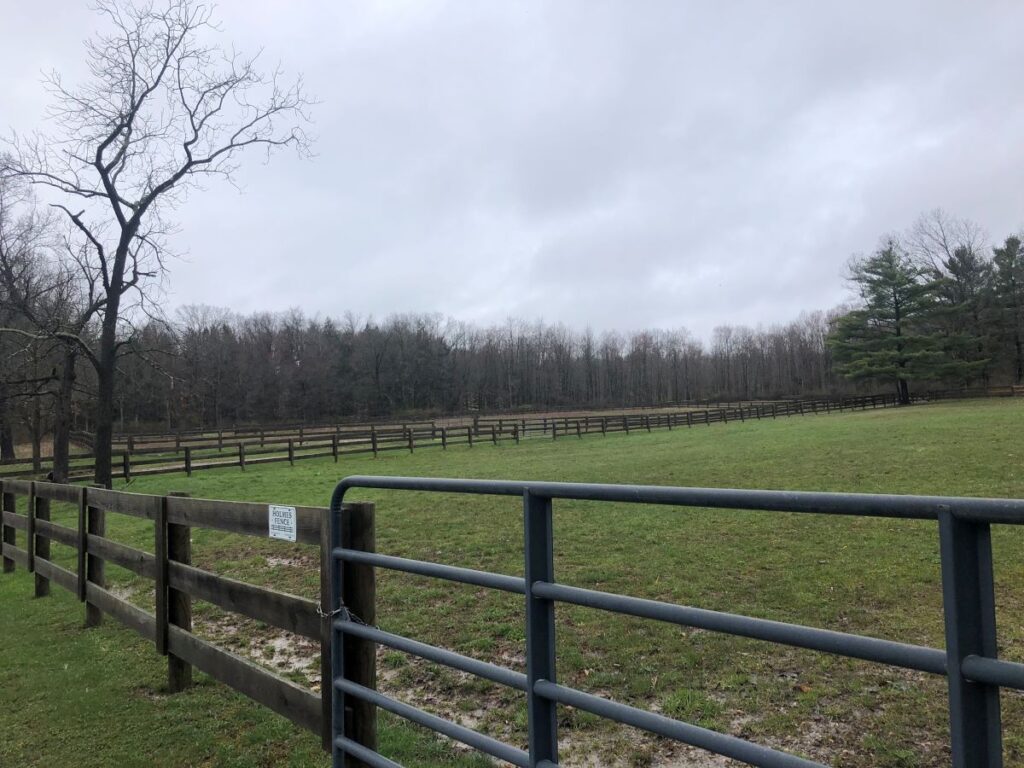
410 437
604 426
41 511
515 433
469 436
625 424
188 461
9 532
96 525
291 451
334 446
373 440
179 604
161 555
126 466
30 533
444 438
554 429
83 544
359 595
578 433
241 456
494 435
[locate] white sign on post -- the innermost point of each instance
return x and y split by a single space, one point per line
282 522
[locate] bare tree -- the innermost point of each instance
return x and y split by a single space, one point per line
936 236
162 111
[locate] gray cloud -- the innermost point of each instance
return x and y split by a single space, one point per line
604 164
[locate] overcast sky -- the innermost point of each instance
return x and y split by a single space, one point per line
612 164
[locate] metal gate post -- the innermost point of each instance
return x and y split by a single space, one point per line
540 629
968 599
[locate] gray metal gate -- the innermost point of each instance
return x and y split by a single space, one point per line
969 662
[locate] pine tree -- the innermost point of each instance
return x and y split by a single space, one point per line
962 284
894 335
1008 300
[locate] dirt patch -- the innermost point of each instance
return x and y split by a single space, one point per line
289 655
292 562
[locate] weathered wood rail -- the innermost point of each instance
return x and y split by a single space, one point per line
27 535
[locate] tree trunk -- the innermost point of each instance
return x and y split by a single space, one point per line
904 392
1019 347
106 368
7 452
37 434
62 418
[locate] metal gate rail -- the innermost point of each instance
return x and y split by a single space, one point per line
969 662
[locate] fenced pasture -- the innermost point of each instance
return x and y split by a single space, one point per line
155 454
866 576
188 451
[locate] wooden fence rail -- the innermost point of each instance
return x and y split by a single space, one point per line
242 449
494 430
274 438
177 582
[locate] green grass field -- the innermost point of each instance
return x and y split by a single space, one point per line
95 697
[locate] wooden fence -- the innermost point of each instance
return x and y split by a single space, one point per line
26 541
218 452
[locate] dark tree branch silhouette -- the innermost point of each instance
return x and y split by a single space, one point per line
162 110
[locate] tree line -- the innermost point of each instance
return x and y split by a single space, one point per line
221 369
937 307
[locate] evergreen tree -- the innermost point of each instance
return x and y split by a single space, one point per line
893 335
962 285
1008 301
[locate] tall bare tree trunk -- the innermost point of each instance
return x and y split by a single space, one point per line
105 370
37 434
62 417
6 428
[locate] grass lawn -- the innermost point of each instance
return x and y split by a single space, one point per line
878 577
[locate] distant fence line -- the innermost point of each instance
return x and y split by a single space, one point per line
130 440
140 455
244 451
